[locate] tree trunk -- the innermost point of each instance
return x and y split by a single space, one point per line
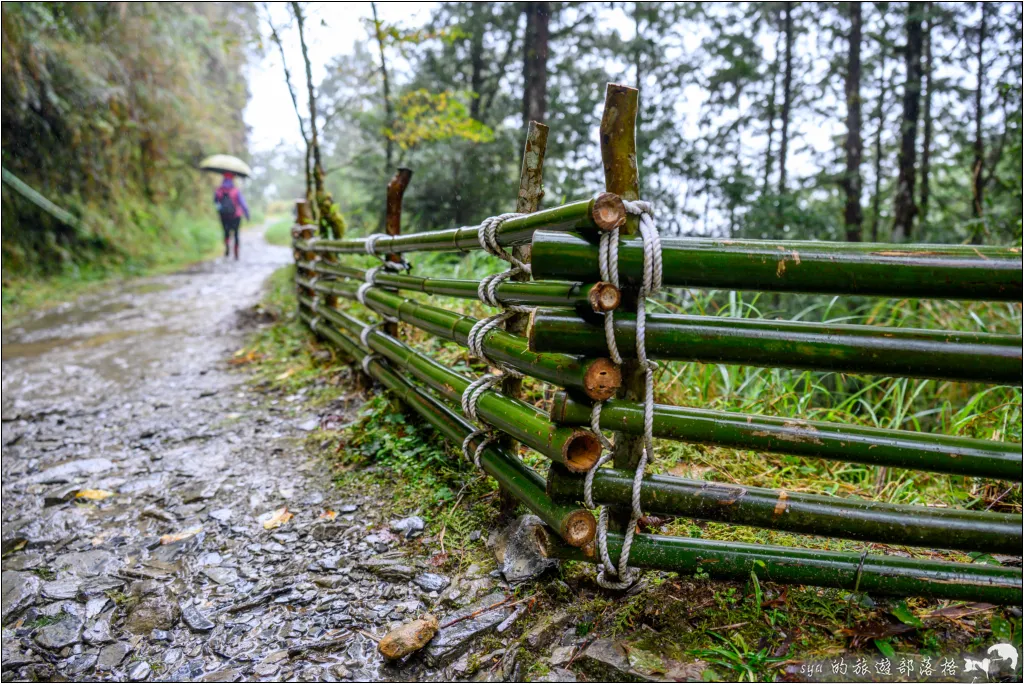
787 96
906 208
298 113
978 169
854 145
768 159
883 91
535 61
389 116
926 146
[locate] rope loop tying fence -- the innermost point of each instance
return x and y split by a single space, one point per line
611 575
487 234
371 250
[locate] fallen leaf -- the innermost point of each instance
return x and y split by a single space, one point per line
329 515
287 374
276 518
959 611
184 534
94 494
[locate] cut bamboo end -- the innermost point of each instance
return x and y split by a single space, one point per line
601 379
608 211
581 451
604 297
579 528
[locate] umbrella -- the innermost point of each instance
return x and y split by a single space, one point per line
225 163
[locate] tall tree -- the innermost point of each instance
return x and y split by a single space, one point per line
332 224
535 61
276 38
771 114
926 114
906 207
880 119
787 95
389 112
978 167
853 214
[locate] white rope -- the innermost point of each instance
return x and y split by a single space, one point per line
368 359
487 291
611 575
314 322
370 246
489 437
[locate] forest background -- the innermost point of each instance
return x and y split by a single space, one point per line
832 121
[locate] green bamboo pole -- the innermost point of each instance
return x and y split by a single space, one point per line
597 378
576 449
814 439
603 210
905 352
936 271
597 296
574 524
888 575
826 516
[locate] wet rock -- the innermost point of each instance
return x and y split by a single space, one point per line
24 561
557 674
139 671
65 632
408 638
606 658
51 526
429 581
221 575
68 471
60 590
98 633
451 641
227 674
410 527
98 587
518 551
560 655
111 656
19 591
548 629
222 514
95 606
87 563
328 531
81 663
195 620
152 612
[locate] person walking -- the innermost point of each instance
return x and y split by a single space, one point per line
231 207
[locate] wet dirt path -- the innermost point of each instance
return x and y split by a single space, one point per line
127 397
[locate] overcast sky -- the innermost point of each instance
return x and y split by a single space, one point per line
270 115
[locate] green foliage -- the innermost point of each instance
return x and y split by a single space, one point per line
107 108
425 117
279 232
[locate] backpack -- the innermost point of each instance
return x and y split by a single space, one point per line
225 204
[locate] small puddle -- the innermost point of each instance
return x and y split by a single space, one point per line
21 350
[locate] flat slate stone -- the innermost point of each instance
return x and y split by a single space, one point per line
450 642
19 591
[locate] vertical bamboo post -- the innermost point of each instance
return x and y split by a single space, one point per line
618 153
304 230
393 220
531 192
